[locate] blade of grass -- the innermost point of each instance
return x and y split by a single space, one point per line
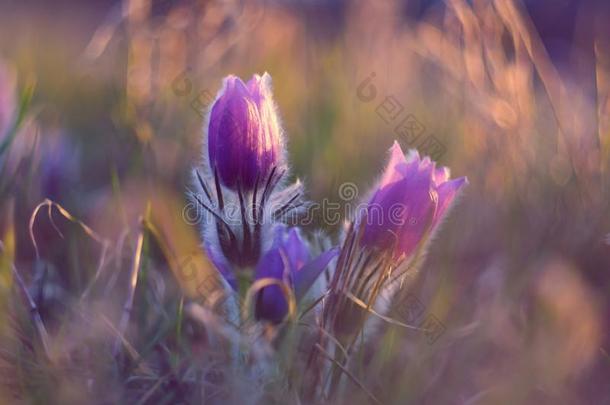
24 104
39 324
50 204
347 373
133 280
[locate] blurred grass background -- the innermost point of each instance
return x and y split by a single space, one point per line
517 92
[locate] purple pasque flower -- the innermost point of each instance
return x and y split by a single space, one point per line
243 190
289 261
408 203
406 206
244 135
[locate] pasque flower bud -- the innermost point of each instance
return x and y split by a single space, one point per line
243 189
244 135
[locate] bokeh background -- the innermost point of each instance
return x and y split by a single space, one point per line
517 93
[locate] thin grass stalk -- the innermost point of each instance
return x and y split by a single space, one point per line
133 280
344 370
34 312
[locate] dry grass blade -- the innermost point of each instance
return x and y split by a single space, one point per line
521 25
312 305
42 330
266 282
518 20
50 204
387 319
180 246
131 351
328 335
98 271
602 73
152 390
347 373
133 280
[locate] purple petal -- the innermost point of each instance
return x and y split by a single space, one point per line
385 215
397 157
306 276
400 213
287 257
441 175
446 194
222 264
271 133
296 250
259 88
271 303
420 205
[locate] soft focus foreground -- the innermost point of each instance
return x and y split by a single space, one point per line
107 293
